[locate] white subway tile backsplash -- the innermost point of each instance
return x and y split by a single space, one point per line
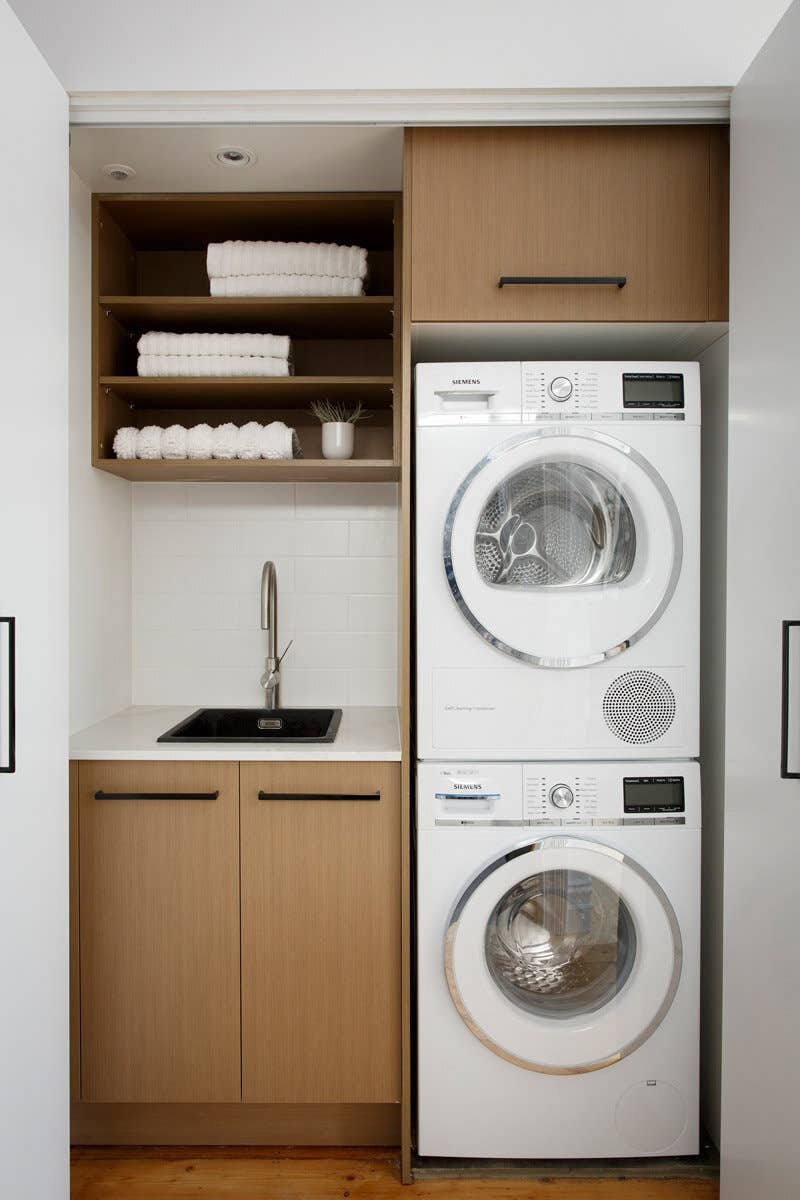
198 550
372 613
239 501
377 538
347 501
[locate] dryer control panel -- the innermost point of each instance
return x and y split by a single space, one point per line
558 794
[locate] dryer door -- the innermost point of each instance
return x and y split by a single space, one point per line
563 547
563 955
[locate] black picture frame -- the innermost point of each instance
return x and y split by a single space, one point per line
786 627
9 765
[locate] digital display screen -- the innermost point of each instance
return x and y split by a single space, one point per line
655 794
652 391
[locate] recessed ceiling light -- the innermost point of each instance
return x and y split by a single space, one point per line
118 171
233 156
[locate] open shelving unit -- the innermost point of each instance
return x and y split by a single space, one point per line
149 274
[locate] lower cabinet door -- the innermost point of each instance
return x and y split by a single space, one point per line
320 932
159 932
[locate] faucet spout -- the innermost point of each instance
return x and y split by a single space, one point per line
269 607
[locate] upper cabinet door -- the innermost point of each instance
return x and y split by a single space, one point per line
647 203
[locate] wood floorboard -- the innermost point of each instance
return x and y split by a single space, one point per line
267 1173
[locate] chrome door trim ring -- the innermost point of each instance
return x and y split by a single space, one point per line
585 660
561 843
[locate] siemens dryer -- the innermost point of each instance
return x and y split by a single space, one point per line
558 543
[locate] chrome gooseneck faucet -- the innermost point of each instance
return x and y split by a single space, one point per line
270 680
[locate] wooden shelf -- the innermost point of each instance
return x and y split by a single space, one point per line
295 470
291 391
298 316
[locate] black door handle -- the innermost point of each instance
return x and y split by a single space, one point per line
319 795
617 280
101 795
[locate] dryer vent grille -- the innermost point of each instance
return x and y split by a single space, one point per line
639 706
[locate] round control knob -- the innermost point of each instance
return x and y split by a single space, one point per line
561 796
560 389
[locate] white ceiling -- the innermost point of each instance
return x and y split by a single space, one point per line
207 45
326 158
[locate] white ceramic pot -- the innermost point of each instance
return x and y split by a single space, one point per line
337 439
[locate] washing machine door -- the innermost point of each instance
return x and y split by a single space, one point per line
563 546
563 955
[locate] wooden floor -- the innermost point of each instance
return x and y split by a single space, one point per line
306 1174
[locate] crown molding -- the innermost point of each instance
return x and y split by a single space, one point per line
577 106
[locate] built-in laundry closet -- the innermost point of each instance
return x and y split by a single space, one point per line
432 295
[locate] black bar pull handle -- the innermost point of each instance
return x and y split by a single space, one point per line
101 795
617 280
319 795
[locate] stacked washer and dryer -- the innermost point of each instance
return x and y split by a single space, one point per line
558 793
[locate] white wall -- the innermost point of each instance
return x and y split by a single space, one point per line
34 1042
99 517
197 556
99 45
714 383
761 1062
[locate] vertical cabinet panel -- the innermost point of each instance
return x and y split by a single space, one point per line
159 933
320 933
628 201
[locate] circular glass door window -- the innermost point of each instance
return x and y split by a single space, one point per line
561 943
555 524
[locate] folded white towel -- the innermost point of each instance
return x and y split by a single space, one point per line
279 441
285 258
125 442
222 365
269 345
248 442
286 285
174 442
148 442
225 441
200 442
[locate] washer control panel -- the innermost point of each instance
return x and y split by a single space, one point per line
558 794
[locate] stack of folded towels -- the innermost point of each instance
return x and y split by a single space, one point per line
285 269
218 354
252 440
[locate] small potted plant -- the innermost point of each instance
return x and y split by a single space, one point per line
338 421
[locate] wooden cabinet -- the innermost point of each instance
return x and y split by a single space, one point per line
321 932
647 203
159 931
175 866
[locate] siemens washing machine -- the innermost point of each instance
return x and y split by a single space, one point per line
558 543
558 959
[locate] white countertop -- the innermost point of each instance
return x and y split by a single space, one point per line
365 735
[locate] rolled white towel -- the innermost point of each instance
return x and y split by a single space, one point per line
248 441
217 365
278 441
285 258
125 442
200 442
267 345
148 442
286 285
225 441
174 442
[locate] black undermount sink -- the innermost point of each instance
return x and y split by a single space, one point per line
265 725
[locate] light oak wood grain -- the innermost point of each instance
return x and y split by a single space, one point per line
293 1177
320 934
159 934
74 942
214 1125
556 201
